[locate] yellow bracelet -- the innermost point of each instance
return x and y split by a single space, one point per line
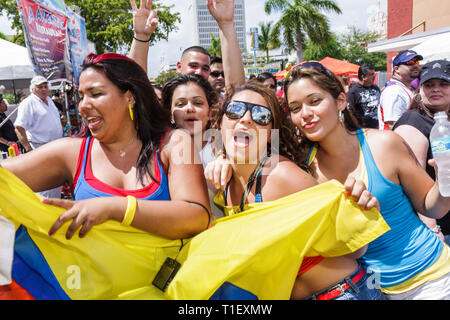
131 210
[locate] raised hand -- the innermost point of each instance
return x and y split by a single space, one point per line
145 19
221 10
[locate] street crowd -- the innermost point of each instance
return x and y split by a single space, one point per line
255 140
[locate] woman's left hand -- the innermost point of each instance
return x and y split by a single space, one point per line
84 214
358 190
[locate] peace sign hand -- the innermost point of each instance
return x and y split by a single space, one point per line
145 19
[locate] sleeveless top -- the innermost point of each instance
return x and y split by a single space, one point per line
408 255
409 247
424 123
87 186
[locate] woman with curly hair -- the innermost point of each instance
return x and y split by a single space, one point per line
249 122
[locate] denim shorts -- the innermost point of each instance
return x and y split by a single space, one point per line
363 289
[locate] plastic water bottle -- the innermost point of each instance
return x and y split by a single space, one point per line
440 146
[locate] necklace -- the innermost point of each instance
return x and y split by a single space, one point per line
122 152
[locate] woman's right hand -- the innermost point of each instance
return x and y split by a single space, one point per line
145 19
218 172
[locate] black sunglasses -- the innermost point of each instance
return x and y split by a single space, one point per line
260 115
216 74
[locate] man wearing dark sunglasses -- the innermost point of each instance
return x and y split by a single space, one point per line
398 94
217 76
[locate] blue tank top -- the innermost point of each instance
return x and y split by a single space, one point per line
409 247
87 186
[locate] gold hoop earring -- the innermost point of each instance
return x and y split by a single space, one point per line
131 111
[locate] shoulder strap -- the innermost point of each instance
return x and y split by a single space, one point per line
251 181
258 194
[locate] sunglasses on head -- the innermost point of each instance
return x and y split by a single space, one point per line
317 66
411 62
260 115
216 74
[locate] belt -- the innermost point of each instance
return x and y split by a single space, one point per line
340 288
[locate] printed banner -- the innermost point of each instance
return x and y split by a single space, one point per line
46 36
76 28
53 5
258 70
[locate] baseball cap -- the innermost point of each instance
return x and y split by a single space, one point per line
406 56
437 69
38 80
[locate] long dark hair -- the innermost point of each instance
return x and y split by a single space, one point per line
150 119
290 143
175 82
327 81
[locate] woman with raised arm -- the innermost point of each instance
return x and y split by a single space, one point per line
410 260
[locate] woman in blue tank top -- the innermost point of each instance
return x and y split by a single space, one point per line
129 152
409 261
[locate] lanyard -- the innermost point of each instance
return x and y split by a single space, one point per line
251 181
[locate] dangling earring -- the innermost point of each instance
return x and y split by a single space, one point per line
131 111
341 116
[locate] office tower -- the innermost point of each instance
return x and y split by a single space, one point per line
205 25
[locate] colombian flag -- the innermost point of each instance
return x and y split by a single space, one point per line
252 255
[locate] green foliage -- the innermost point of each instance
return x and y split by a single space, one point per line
355 48
215 50
333 48
301 18
165 75
267 40
109 23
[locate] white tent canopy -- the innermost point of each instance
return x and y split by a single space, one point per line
435 48
15 62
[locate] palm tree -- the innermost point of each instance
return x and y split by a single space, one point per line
266 43
301 18
216 48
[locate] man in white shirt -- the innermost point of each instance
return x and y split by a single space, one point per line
38 120
398 94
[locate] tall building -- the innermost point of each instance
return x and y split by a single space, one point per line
205 25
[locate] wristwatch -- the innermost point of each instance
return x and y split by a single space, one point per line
436 229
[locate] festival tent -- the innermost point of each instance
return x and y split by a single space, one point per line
339 67
15 62
435 48
281 74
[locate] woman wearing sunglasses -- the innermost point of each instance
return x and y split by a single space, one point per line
246 122
411 261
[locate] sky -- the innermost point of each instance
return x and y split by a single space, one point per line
354 13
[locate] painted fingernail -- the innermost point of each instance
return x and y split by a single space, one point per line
347 193
44 200
50 233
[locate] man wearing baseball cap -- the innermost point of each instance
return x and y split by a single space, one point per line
398 94
38 120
